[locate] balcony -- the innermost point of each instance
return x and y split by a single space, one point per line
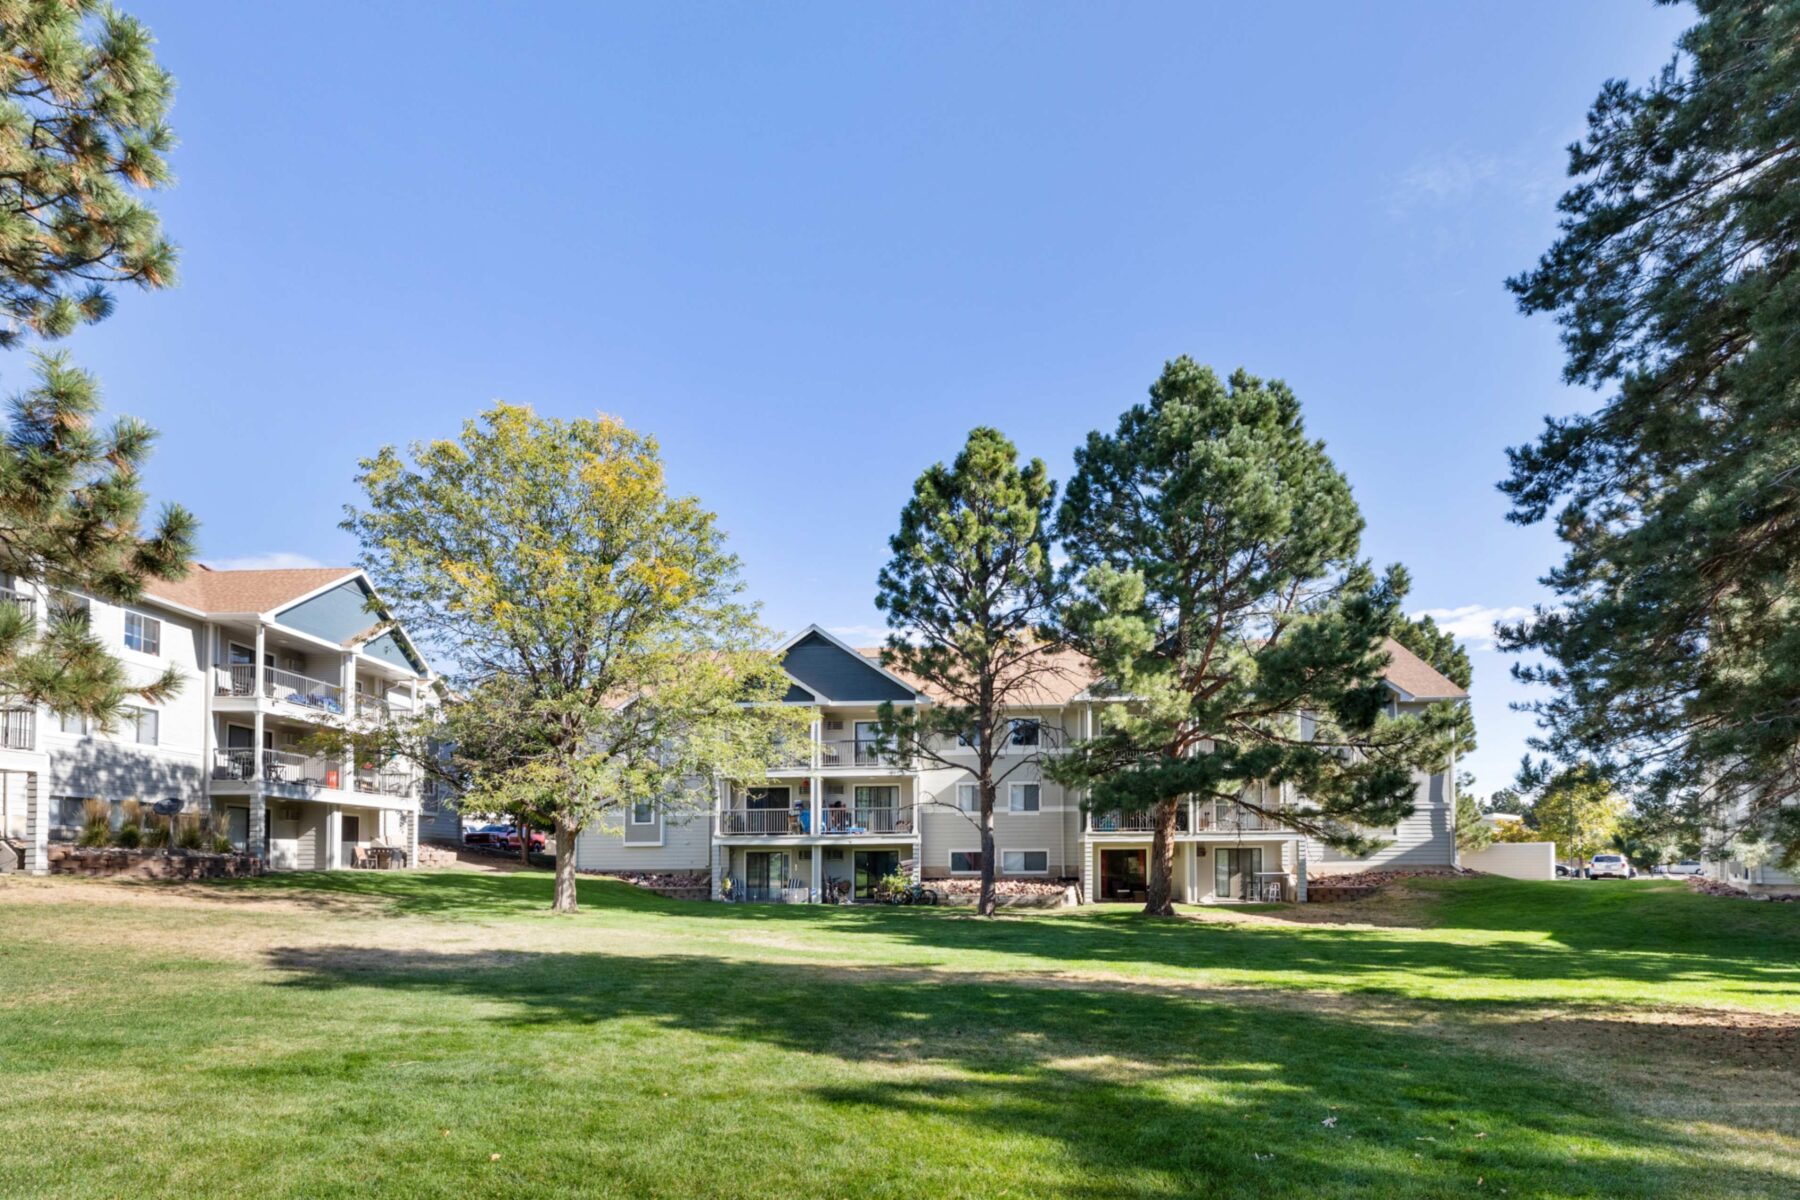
277 767
1138 822
1225 817
239 679
858 752
844 821
383 781
19 600
375 708
18 729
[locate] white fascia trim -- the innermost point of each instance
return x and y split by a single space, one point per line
357 573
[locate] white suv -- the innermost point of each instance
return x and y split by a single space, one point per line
1610 866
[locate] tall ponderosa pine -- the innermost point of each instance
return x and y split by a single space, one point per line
1221 598
82 108
1673 650
593 623
968 593
71 510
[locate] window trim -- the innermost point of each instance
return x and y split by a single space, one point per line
136 725
950 862
145 624
974 804
1012 792
1013 745
1011 874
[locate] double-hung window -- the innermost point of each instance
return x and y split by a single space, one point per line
1024 735
968 797
143 634
1025 862
1022 798
141 725
643 812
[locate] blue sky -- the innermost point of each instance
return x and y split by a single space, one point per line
808 246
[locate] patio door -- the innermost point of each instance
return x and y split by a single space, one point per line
770 809
1123 874
872 866
765 874
1235 871
349 835
875 808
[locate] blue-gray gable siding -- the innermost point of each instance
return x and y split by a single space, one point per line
390 648
831 672
339 615
336 616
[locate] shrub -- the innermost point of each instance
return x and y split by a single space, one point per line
191 836
96 823
222 844
129 837
157 836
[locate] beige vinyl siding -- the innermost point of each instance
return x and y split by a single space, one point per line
1425 839
1053 828
686 844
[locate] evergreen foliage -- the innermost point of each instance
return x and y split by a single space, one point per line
1216 585
967 593
1672 652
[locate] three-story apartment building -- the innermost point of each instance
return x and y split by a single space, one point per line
267 657
839 815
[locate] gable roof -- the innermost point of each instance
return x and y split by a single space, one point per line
1408 673
210 591
831 671
1068 675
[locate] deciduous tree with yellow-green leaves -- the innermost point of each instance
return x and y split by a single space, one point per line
593 624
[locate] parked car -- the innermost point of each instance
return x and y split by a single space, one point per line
1687 866
486 835
1610 866
511 839
1564 870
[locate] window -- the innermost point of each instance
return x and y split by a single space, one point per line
643 812
1024 733
64 605
143 634
1025 862
1022 798
141 725
968 797
965 862
70 812
73 723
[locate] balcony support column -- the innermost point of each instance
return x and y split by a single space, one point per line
334 837
818 874
260 674
37 824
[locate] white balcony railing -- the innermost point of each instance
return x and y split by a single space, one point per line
19 600
799 822
276 766
239 679
383 781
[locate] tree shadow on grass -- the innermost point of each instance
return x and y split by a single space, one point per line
1104 1092
1579 947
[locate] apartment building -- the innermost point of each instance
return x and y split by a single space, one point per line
266 657
840 816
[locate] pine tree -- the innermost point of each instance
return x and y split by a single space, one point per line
968 592
1214 548
71 508
1672 653
83 103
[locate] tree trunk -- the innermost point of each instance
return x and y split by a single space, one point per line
985 903
1161 895
524 844
565 865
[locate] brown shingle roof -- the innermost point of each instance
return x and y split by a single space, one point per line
243 591
1071 674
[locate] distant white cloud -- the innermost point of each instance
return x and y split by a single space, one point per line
860 635
1455 178
1473 624
276 560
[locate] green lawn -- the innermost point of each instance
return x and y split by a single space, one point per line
359 1033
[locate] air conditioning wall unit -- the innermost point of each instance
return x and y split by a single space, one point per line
834 789
833 725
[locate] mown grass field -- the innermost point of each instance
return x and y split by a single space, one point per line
440 1034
